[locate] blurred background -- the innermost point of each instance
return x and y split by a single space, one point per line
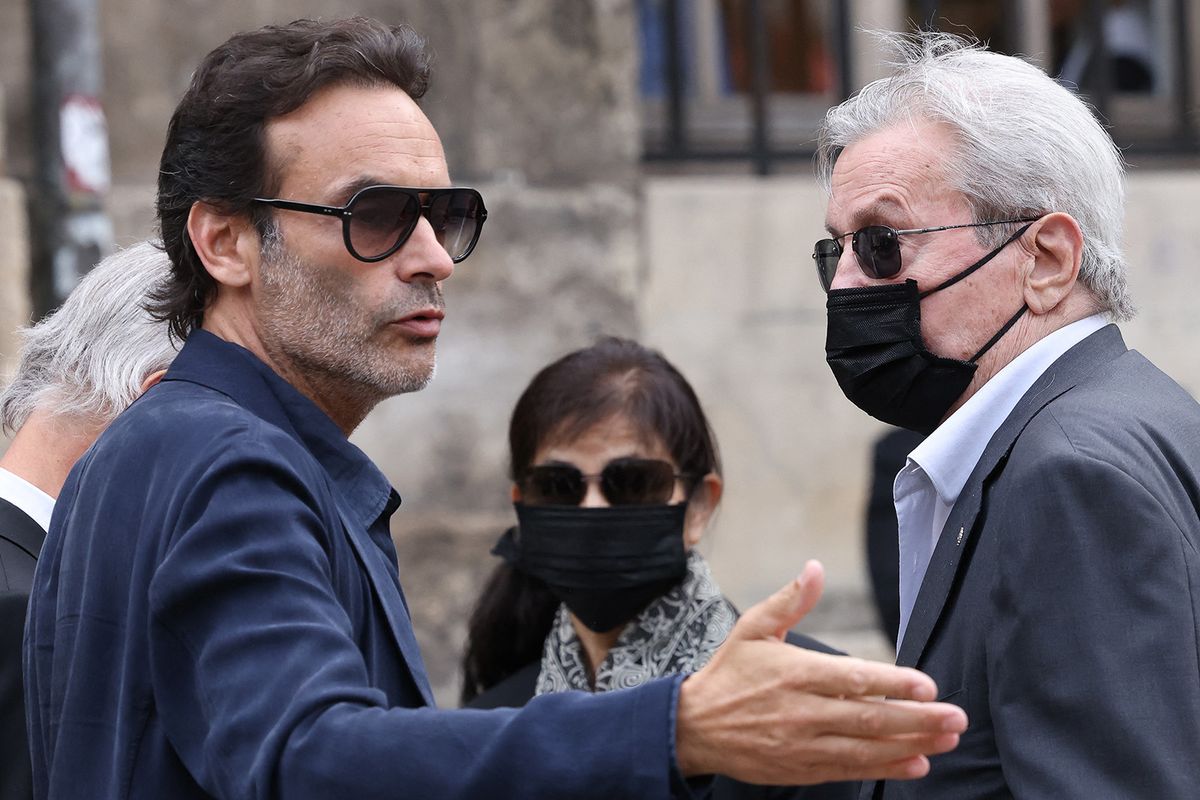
647 169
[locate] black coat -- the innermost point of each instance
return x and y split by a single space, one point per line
20 540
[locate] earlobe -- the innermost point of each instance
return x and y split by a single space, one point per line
1057 251
223 242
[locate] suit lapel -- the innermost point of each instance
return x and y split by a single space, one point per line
1072 367
19 528
391 600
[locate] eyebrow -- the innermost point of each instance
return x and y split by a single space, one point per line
342 192
879 208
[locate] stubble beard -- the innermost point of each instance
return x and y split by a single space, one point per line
342 347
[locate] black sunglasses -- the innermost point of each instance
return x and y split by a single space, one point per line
378 220
877 249
623 482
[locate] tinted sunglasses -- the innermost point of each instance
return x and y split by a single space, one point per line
877 249
378 220
623 482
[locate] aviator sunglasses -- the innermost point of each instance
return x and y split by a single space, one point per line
623 482
877 248
378 220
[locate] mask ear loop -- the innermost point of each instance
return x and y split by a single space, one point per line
969 270
1000 333
1012 320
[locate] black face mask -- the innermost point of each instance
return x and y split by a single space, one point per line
604 564
875 349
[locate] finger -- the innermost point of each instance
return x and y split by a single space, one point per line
844 676
774 616
903 769
812 585
865 756
880 718
875 752
840 761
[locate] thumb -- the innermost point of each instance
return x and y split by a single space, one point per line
773 617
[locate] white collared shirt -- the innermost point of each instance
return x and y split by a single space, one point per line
27 497
929 484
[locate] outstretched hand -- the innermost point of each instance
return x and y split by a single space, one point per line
762 711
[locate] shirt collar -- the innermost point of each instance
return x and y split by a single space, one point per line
234 371
27 497
950 453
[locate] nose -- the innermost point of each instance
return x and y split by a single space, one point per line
422 257
848 274
594 498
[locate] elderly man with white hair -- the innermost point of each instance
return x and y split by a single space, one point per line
1049 534
79 368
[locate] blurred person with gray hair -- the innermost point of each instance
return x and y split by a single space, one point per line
1049 534
79 368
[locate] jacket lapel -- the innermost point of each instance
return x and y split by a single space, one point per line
235 372
1072 367
20 529
390 599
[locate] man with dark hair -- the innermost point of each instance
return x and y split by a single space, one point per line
218 611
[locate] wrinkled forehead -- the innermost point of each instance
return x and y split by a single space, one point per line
894 174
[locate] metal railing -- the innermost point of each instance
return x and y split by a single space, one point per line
678 145
677 139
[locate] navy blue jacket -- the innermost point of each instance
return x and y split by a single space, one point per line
217 612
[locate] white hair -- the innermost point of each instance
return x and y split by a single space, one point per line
1025 145
90 357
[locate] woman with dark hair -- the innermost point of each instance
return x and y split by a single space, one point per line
615 477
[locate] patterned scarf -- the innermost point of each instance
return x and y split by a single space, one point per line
677 633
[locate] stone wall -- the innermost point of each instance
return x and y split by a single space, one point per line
14 264
14 277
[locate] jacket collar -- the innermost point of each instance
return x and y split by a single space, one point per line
1073 367
363 494
234 371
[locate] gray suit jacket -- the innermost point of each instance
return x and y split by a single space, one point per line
1061 608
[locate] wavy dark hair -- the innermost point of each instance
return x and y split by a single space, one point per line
563 401
215 150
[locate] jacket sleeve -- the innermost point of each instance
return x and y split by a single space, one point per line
1092 654
264 693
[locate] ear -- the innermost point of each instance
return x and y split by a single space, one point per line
515 493
227 243
152 379
1057 245
701 506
